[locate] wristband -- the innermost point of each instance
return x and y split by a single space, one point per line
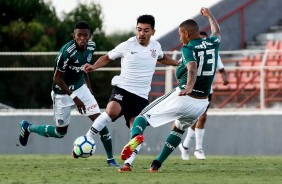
73 96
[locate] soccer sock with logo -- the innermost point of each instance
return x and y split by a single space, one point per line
199 136
172 141
189 137
45 130
99 123
138 127
133 155
106 139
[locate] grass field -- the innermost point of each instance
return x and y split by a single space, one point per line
58 169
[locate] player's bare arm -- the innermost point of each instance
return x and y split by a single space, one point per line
59 80
215 30
166 60
87 82
102 61
191 78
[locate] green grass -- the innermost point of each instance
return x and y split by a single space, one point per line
62 169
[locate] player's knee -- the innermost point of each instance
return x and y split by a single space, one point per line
180 127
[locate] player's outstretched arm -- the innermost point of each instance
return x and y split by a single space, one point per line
215 29
102 61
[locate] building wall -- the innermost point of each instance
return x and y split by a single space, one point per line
231 134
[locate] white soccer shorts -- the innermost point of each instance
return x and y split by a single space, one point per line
62 105
171 107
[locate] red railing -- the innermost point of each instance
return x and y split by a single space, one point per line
228 15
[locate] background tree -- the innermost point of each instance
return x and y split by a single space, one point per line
32 25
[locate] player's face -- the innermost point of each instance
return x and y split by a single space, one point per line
183 35
81 36
144 33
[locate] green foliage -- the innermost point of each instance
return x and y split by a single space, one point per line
64 169
32 25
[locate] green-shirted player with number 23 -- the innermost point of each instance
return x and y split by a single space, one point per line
189 99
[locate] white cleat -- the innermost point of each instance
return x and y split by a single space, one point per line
184 152
199 154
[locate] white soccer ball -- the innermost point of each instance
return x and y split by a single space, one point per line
84 146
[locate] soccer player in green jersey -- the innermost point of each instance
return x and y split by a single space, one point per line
189 99
197 130
70 88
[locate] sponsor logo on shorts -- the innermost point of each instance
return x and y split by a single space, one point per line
91 107
118 97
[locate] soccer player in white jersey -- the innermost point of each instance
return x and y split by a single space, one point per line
185 103
71 88
197 130
139 55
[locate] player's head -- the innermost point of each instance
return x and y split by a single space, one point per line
188 30
145 28
203 34
82 34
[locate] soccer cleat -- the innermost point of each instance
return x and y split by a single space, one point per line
23 138
155 166
74 155
130 147
111 162
199 154
125 168
184 152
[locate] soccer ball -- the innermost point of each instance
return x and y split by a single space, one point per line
84 146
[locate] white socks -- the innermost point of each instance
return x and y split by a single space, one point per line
133 155
189 137
99 123
199 136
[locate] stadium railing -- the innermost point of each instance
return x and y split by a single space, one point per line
255 76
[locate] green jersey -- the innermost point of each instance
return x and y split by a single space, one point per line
71 60
205 53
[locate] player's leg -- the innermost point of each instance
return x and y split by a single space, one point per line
199 134
132 107
138 127
158 113
61 117
100 121
106 139
113 111
184 147
171 143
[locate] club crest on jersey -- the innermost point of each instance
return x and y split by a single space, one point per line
89 57
153 53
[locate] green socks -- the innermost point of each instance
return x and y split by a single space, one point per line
171 143
106 139
138 127
45 130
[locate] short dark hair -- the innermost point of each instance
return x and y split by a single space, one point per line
82 25
204 33
147 19
190 25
